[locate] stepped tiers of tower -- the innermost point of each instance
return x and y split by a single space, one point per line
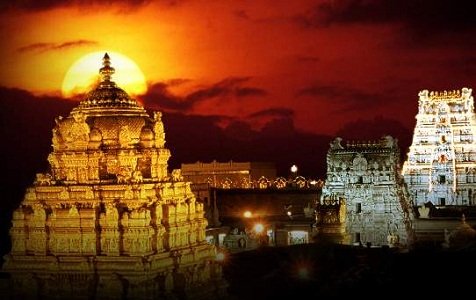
364 176
107 219
441 163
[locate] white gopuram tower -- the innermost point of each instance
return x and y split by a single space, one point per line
441 163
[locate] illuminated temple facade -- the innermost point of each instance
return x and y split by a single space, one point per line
365 177
441 163
108 220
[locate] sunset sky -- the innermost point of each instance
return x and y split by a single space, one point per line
242 70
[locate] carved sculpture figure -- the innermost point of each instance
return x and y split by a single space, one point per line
43 179
177 175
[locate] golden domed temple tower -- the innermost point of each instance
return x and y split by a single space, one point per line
440 167
108 220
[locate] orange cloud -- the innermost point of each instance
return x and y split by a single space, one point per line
42 47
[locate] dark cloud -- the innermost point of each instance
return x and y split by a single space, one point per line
43 47
159 94
280 112
199 138
278 121
279 128
227 87
249 91
422 16
350 99
39 5
240 130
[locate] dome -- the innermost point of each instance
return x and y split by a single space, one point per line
107 114
107 98
104 138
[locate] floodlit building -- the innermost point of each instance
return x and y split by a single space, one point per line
229 174
441 163
108 220
364 176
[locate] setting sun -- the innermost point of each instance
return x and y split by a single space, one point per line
83 74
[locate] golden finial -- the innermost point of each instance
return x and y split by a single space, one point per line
106 71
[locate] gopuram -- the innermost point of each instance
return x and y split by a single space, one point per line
441 163
365 177
108 221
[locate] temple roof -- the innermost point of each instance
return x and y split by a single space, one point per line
107 98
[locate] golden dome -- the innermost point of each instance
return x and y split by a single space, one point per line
107 98
108 119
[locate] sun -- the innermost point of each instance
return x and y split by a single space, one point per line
84 74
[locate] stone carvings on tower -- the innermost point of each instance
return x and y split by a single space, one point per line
365 176
440 167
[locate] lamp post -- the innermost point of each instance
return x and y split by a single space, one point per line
294 170
293 176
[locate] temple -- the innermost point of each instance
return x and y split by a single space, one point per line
364 176
440 167
108 220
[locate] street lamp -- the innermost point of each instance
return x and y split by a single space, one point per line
258 228
260 234
294 169
293 175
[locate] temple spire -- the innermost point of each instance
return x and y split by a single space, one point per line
106 71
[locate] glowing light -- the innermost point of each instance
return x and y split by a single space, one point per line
247 214
294 168
258 228
83 75
289 213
